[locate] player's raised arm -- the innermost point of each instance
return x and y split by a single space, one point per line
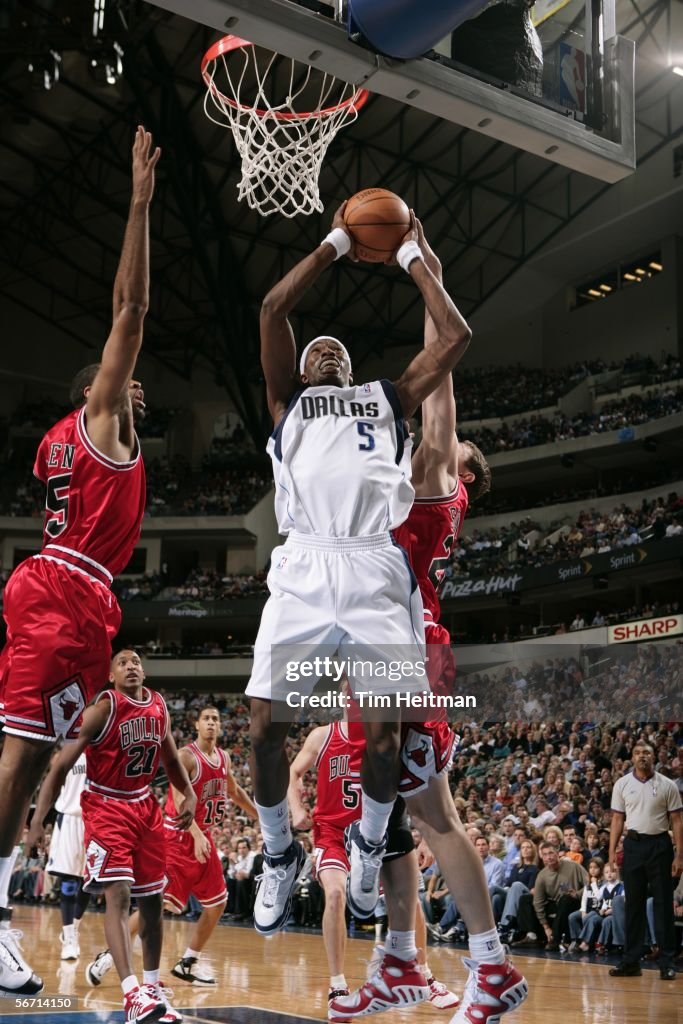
94 720
302 763
131 300
278 349
435 463
452 334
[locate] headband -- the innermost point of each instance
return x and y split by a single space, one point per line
321 337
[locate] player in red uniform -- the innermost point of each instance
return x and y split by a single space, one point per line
444 470
126 733
192 861
61 615
336 751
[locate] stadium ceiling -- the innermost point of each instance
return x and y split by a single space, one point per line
64 188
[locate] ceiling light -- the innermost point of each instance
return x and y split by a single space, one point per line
630 277
44 71
106 67
655 265
595 293
640 272
606 287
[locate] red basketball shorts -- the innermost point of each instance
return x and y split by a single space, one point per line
60 625
186 875
124 841
330 851
426 751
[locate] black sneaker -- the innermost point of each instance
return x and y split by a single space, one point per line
667 973
188 969
623 970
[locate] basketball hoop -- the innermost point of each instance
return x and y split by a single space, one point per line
281 148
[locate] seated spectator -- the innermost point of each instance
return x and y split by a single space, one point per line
585 923
240 882
556 895
522 880
612 887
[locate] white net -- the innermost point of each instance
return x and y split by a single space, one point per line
281 148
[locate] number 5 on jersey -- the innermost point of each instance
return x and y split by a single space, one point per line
366 431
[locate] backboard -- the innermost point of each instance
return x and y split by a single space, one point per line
576 110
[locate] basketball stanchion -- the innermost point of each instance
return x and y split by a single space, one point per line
281 147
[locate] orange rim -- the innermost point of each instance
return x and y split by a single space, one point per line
229 43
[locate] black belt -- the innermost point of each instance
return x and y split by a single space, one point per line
632 834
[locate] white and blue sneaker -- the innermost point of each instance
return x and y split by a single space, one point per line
362 883
274 894
16 977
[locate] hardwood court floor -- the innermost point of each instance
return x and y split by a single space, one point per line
288 974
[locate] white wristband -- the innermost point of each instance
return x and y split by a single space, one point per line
408 252
339 240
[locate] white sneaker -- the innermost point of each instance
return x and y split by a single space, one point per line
163 995
189 969
274 894
16 977
70 948
440 996
96 970
362 883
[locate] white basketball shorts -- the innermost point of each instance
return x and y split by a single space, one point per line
67 849
353 595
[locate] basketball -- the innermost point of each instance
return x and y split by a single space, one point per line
378 220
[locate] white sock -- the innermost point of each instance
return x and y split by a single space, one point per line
378 931
486 948
338 981
375 818
151 977
6 869
69 933
191 954
129 983
401 945
274 822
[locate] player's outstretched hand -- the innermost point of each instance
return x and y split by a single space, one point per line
431 259
186 811
144 161
411 235
202 848
339 222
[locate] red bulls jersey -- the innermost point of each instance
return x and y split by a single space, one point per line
428 535
124 758
338 786
94 505
211 789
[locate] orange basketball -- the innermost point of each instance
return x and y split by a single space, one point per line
378 220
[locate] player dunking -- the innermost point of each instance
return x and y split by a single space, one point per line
192 862
341 462
60 612
444 471
126 733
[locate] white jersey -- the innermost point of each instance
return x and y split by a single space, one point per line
69 799
341 462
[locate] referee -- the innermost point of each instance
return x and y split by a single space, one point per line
645 802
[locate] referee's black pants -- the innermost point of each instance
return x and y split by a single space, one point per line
647 861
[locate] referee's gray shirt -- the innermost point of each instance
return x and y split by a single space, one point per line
647 804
